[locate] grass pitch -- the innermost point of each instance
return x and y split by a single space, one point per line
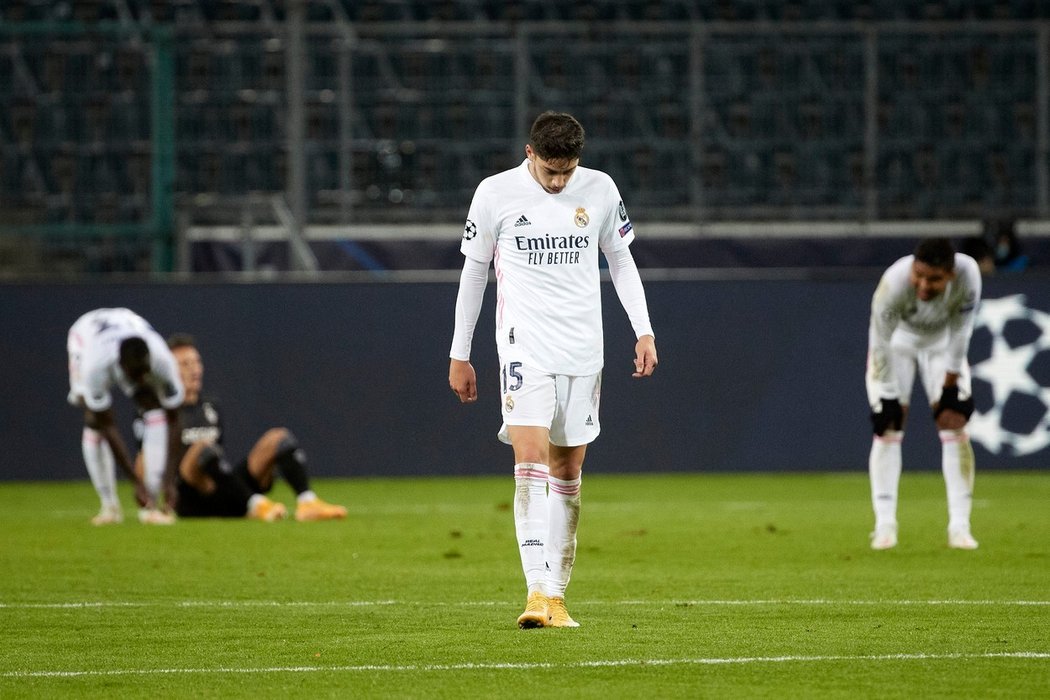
685 586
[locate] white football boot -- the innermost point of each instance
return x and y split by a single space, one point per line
885 536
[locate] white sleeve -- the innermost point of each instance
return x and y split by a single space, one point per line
881 379
468 305
628 285
165 369
960 326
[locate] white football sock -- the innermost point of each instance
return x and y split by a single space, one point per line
564 503
884 469
154 450
957 463
98 457
531 518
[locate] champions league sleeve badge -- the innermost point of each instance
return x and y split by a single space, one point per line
469 230
581 217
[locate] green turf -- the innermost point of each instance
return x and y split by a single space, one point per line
685 586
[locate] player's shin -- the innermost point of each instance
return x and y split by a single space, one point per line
531 518
98 458
564 503
884 469
291 460
957 464
154 450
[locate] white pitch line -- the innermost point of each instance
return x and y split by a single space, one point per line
601 663
495 603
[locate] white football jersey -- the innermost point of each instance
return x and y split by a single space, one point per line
898 315
94 359
544 248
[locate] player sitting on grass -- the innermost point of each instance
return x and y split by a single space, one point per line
209 486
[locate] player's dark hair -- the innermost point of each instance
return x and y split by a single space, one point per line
936 252
556 136
134 356
181 340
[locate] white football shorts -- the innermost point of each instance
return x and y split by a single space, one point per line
566 405
908 355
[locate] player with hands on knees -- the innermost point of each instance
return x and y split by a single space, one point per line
922 318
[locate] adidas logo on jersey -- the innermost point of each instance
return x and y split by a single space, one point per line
522 221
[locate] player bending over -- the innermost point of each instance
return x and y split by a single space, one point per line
117 346
922 317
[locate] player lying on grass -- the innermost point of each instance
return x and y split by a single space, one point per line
208 485
117 346
922 318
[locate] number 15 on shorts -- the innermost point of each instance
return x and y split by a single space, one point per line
512 378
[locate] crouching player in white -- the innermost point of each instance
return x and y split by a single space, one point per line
117 346
922 317
542 224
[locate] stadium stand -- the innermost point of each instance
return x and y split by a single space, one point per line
706 110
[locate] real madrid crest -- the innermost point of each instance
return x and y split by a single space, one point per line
509 403
581 217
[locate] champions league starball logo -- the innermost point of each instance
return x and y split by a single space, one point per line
1011 384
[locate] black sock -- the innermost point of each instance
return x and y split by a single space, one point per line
291 460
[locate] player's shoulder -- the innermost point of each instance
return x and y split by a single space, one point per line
893 284
502 180
594 178
900 270
966 265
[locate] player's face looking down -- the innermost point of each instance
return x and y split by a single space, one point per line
136 370
553 175
929 281
191 369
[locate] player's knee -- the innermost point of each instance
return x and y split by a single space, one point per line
286 440
951 421
211 460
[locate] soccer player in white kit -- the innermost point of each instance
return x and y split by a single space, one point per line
922 317
542 224
117 346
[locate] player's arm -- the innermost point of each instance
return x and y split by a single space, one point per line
104 423
952 411
170 395
964 317
887 413
461 376
628 285
171 469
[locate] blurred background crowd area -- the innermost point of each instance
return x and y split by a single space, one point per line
144 136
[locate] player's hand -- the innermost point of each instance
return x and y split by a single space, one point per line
645 356
171 496
889 416
142 495
463 380
952 412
